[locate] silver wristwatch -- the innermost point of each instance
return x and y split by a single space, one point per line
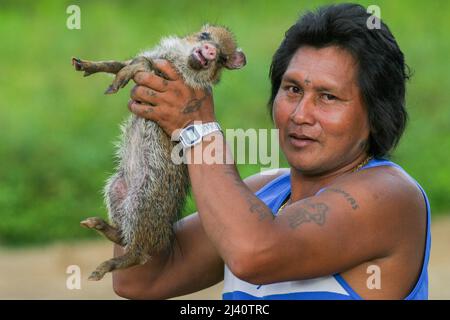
193 134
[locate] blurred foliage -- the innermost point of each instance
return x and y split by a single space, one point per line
57 127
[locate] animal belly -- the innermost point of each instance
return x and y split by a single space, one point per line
146 151
156 186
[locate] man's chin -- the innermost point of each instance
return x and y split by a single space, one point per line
307 165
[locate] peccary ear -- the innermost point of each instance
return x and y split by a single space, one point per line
236 61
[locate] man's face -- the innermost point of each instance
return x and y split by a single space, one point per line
319 111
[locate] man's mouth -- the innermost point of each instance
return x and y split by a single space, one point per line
300 140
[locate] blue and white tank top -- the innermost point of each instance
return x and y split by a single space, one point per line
332 287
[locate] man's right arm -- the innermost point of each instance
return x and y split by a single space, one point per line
193 265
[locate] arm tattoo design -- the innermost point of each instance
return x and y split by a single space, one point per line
346 195
309 212
194 104
256 205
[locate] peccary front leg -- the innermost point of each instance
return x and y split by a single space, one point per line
102 227
91 67
129 259
127 73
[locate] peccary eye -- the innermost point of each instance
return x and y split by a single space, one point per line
205 36
222 59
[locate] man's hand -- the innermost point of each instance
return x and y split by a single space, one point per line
169 101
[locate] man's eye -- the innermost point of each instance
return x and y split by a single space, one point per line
328 97
293 89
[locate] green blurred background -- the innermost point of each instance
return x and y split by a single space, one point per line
58 129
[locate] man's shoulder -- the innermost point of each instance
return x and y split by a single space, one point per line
259 180
391 208
388 178
385 187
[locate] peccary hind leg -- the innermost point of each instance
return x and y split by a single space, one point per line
102 227
129 259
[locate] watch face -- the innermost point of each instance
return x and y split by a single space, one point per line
190 135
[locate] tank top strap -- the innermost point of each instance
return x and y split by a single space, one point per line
275 192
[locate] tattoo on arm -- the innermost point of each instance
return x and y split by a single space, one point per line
255 205
346 195
194 104
308 212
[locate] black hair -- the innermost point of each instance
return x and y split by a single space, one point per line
382 72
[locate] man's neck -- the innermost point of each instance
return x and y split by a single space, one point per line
307 185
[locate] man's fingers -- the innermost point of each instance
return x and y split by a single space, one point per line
166 68
152 81
144 94
159 80
143 110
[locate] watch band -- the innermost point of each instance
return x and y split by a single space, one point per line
193 134
210 127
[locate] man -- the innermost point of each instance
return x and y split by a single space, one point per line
341 222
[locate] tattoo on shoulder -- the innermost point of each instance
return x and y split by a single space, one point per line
346 195
309 212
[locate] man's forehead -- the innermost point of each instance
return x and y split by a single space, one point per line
331 65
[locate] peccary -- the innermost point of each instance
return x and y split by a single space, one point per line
148 191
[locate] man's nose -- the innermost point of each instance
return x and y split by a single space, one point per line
303 112
209 51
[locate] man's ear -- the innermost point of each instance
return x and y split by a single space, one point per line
236 61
